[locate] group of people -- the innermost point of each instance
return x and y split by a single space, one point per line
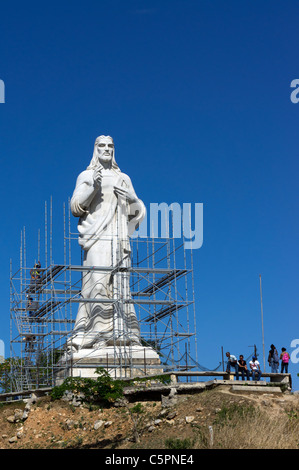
274 358
240 365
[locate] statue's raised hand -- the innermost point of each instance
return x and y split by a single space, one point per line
97 176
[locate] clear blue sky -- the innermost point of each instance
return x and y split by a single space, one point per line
197 97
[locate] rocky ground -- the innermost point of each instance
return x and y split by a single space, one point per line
188 422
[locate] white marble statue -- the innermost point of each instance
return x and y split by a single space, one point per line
109 212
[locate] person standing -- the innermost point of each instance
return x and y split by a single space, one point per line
284 357
29 305
35 275
273 359
255 367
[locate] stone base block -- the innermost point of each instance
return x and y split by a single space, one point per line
120 362
256 388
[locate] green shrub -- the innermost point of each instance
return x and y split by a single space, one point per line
163 379
76 385
108 389
176 443
138 408
103 388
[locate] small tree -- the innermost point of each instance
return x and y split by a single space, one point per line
136 414
7 368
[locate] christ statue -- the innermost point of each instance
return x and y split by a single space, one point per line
109 212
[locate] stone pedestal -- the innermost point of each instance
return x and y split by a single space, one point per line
120 362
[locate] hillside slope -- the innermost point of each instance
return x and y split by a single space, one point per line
217 418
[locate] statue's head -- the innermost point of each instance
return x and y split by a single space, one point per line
103 152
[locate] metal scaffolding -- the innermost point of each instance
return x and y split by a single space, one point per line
44 301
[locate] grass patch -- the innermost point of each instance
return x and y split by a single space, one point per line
176 443
234 412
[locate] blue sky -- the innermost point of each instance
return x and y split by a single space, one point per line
196 95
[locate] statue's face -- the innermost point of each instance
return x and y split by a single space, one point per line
105 149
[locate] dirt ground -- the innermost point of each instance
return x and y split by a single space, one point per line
60 425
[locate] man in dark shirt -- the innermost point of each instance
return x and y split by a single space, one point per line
243 368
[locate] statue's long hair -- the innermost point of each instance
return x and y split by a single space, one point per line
94 163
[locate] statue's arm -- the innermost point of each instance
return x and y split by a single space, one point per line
137 210
85 190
